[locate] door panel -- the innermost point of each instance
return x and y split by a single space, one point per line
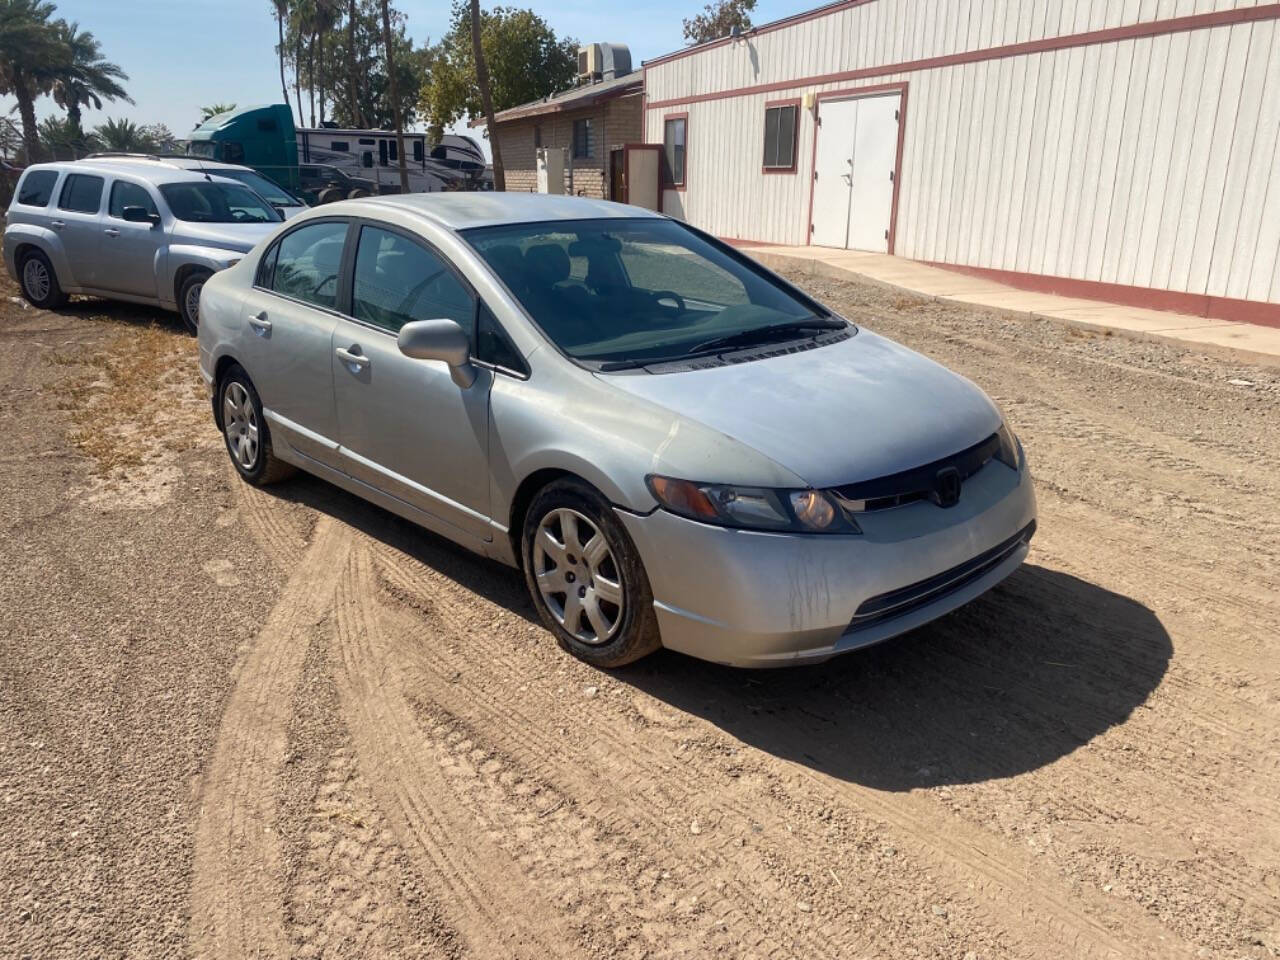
834 168
289 363
875 154
409 430
287 337
77 219
643 166
128 251
404 425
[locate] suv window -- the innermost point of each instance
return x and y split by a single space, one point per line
126 194
307 262
397 281
81 194
37 188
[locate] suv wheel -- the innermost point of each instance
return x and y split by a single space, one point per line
189 300
39 282
586 578
245 430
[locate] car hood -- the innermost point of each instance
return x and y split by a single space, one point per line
242 237
855 410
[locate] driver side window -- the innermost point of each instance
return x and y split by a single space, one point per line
397 281
307 262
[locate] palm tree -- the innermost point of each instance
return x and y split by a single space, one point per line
124 136
281 7
213 109
388 46
84 78
29 57
486 97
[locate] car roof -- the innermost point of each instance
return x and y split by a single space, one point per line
464 210
147 170
175 162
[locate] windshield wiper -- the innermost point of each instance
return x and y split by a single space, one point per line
764 334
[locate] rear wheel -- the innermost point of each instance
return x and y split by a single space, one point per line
245 430
39 282
189 300
585 576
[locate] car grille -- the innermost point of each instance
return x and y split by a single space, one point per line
897 603
918 483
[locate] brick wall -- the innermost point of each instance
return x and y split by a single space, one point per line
614 123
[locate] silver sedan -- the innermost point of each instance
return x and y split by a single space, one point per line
677 447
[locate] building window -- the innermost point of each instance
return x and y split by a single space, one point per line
339 146
537 135
673 150
417 151
582 140
780 136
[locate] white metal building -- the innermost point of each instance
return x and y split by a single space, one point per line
1125 149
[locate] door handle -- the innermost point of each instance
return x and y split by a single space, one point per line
57 224
259 321
111 232
355 359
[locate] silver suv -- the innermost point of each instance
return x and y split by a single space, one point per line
285 201
138 232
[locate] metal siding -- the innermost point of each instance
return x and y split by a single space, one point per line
1150 162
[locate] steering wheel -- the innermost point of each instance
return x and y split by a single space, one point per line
660 296
319 286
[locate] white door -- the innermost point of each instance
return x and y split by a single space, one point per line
838 121
857 153
875 154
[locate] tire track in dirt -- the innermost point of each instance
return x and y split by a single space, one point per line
491 912
1011 883
237 892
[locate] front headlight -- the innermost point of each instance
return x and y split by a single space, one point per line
1010 451
752 508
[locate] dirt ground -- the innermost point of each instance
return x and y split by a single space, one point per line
241 723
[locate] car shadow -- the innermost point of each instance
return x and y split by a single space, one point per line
494 581
1017 679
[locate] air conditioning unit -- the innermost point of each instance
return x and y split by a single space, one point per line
589 62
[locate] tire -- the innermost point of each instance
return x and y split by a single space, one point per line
244 430
189 300
619 631
39 283
329 195
357 192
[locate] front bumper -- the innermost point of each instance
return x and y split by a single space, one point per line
754 599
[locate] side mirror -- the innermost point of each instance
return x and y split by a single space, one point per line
140 215
439 340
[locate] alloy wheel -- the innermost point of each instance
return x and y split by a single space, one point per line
578 576
240 423
193 303
35 277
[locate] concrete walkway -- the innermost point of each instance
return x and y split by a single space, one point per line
938 284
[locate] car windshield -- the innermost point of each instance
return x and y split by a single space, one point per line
624 292
266 188
209 202
202 148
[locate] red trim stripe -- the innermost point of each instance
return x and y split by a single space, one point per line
1154 28
1192 304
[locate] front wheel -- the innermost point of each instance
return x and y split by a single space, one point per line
585 576
189 300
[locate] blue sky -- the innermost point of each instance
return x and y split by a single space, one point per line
180 54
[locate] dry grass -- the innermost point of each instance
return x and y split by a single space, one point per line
134 401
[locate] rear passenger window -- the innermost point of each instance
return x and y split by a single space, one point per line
81 194
37 188
125 194
398 280
307 262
